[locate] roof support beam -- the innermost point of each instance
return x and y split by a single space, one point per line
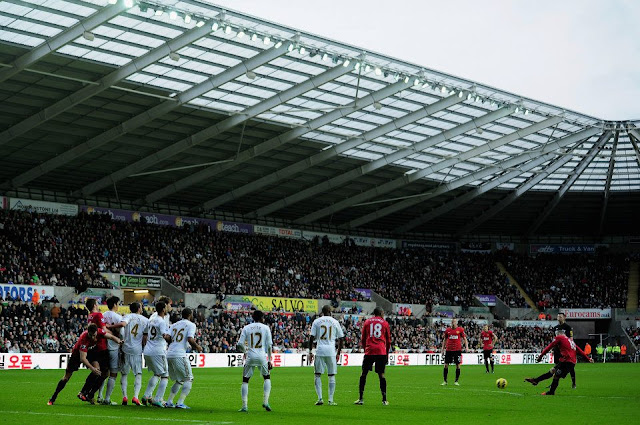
225 125
509 199
382 189
474 193
85 93
607 187
54 43
634 138
334 151
570 181
166 107
276 142
477 175
382 162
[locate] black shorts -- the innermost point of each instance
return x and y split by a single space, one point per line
379 360
564 368
102 357
453 357
487 354
74 362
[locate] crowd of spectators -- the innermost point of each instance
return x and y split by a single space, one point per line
597 280
48 327
634 334
73 251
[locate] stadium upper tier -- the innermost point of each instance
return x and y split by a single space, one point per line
27 328
182 106
72 251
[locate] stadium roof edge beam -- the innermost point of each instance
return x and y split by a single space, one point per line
477 175
634 138
54 43
584 162
278 141
215 81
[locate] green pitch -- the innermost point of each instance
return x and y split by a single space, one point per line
606 394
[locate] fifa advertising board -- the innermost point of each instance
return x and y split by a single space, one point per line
20 361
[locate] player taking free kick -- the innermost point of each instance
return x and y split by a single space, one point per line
453 336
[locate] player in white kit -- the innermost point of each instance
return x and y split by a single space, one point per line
183 334
114 323
325 330
256 342
134 340
155 355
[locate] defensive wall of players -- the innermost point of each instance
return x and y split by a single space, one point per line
219 360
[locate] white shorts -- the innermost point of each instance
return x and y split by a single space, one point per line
250 363
180 369
157 365
114 360
325 363
132 362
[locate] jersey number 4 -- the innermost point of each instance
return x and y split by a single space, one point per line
134 331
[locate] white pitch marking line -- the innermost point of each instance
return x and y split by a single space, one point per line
116 417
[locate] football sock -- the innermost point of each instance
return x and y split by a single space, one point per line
318 383
162 388
363 381
59 388
573 377
111 384
266 388
123 385
492 363
445 372
332 387
244 391
151 386
554 385
96 386
137 385
186 389
102 386
544 376
457 374
383 388
88 383
486 365
174 391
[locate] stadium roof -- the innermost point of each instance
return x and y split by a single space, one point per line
152 104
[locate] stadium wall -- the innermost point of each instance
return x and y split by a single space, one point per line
218 360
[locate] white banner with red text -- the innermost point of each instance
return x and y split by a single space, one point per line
17 361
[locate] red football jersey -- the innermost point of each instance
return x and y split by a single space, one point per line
85 343
567 347
454 338
487 340
376 337
98 319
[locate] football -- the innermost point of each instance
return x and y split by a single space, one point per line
501 383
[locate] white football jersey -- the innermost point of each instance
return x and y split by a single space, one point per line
180 333
156 345
325 330
256 338
133 332
111 318
167 319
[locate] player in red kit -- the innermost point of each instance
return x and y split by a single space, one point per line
488 339
88 339
452 342
376 341
566 363
97 355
